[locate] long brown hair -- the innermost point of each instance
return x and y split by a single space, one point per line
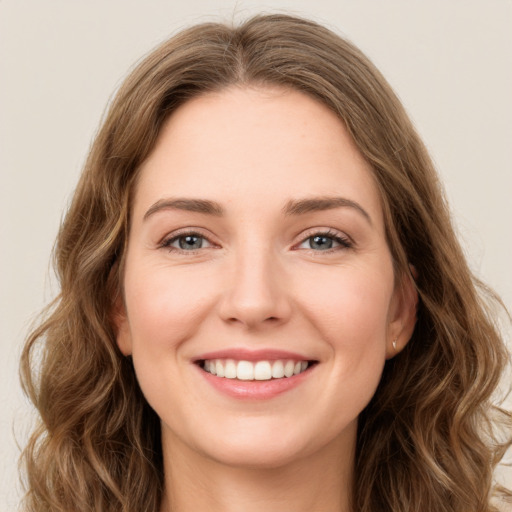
429 439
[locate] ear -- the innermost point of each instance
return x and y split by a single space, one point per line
402 314
121 326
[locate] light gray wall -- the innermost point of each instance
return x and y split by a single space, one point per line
450 62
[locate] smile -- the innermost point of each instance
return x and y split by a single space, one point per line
254 370
254 374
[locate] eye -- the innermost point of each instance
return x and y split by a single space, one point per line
186 242
325 242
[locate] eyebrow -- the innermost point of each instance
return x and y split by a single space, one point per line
291 208
316 204
189 205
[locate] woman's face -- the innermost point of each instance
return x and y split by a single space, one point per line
256 249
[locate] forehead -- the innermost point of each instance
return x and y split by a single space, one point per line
261 145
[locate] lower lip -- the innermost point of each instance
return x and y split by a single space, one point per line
255 389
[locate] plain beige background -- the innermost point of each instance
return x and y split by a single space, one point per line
60 60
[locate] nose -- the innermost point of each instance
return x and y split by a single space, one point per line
256 294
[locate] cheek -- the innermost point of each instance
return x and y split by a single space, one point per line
350 310
350 304
166 307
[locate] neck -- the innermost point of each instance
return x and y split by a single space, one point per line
321 481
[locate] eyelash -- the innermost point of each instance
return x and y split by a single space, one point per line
343 241
166 243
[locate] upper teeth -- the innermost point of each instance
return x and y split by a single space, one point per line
258 370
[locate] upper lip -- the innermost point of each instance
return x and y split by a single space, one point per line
243 354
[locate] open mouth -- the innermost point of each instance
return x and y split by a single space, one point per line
254 370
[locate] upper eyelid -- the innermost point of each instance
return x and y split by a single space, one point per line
184 232
344 242
167 241
323 231
200 231
304 235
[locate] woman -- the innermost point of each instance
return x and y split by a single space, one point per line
263 303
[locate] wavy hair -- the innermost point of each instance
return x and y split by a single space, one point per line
429 439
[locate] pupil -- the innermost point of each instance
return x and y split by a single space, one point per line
321 242
190 242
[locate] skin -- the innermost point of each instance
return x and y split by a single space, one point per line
259 282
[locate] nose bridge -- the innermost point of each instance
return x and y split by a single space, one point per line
256 292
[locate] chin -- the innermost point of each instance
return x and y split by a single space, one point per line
271 456
265 445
